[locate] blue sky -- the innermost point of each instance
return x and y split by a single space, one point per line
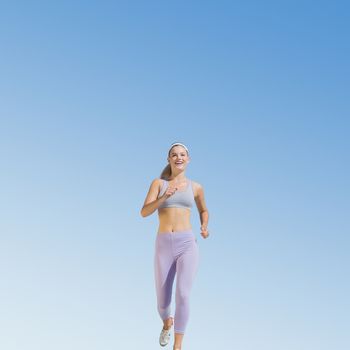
91 96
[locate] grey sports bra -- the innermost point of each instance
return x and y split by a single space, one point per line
180 199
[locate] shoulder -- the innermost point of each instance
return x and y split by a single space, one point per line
157 183
197 188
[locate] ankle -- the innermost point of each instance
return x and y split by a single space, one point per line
168 323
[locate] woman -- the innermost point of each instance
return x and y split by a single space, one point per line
176 249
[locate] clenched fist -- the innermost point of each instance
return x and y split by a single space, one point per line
169 191
204 232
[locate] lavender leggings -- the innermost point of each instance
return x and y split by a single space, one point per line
175 252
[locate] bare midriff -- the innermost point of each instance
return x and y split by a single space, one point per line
174 220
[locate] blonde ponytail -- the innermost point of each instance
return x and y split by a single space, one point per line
166 173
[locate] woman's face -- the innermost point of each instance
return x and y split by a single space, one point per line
178 158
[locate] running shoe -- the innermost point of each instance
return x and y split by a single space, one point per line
164 336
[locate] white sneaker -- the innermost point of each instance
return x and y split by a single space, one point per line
164 336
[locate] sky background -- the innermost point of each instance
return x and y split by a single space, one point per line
92 93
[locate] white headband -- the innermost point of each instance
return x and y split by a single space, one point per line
178 144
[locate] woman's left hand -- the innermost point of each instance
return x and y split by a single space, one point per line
204 232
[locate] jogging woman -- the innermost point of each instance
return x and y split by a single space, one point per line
176 247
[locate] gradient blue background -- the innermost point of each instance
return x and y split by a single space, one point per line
91 96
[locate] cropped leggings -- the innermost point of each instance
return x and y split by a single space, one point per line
175 253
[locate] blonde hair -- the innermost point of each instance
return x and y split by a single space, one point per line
166 173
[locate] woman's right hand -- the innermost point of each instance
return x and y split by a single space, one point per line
169 192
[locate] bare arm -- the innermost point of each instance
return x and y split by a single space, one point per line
203 211
152 203
204 217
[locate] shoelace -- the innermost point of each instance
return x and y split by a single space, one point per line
165 332
164 337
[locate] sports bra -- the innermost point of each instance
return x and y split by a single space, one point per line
180 199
